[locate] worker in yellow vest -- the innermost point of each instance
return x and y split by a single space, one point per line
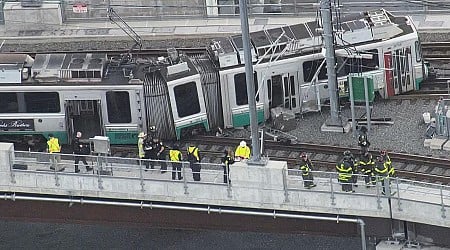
54 148
242 151
193 157
176 158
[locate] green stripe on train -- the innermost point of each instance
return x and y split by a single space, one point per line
179 128
418 82
243 119
122 137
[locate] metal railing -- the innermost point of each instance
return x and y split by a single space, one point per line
96 10
103 167
392 188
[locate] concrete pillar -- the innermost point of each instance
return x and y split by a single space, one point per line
6 156
269 176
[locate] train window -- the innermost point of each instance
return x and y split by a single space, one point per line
292 83
418 52
186 98
240 88
310 68
41 102
8 103
118 104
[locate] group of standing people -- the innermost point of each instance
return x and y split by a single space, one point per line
151 149
379 170
80 150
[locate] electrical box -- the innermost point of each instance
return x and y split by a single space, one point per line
101 144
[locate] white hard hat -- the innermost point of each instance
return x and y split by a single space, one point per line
78 134
141 135
242 144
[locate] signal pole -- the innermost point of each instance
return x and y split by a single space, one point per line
334 124
256 148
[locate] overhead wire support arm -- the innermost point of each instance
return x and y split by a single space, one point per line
115 18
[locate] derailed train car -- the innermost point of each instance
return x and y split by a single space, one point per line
64 93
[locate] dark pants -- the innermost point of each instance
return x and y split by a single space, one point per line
162 157
176 169
196 167
308 180
226 174
149 156
79 158
346 185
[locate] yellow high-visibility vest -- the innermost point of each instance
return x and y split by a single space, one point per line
243 152
175 155
53 145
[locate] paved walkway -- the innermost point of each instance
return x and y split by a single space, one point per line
187 27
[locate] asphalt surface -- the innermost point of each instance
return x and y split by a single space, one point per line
26 235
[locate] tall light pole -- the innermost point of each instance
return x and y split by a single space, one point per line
334 124
256 148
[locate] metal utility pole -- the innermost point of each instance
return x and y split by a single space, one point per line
328 37
256 155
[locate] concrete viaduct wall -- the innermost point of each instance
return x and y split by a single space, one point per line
269 188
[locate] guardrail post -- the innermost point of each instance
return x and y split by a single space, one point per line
55 170
99 170
183 168
399 203
332 197
442 203
286 193
141 175
11 170
377 186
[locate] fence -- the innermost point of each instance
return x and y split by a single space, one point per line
152 9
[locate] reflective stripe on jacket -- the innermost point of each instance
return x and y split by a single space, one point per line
141 148
345 172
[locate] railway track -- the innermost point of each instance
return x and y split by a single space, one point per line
408 166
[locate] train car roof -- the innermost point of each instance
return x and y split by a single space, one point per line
16 59
301 39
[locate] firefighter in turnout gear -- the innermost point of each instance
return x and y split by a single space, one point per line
306 168
227 160
381 171
387 160
363 141
193 156
176 158
345 170
365 167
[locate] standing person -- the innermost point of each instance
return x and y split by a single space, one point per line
176 158
193 156
242 151
306 168
365 167
80 150
140 144
148 151
54 148
158 153
363 141
382 172
345 170
227 160
387 160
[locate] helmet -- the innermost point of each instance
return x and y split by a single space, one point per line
383 152
380 159
243 144
347 153
303 155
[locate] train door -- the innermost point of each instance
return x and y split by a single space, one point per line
282 91
84 116
390 86
399 71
